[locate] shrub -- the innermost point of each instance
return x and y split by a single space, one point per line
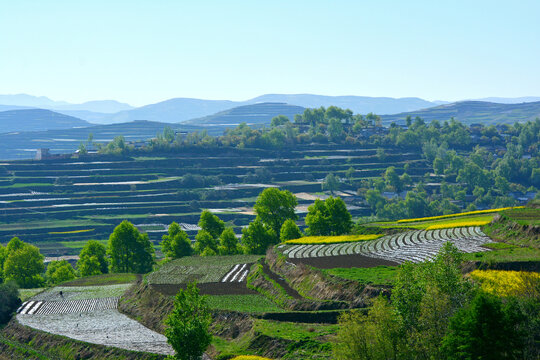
9 293
289 231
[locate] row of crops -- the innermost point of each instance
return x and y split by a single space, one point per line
68 306
414 245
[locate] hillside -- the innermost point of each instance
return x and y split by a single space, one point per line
37 120
358 104
22 144
470 112
250 114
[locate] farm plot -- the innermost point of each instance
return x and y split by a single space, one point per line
201 269
104 327
67 307
238 273
414 246
82 292
86 313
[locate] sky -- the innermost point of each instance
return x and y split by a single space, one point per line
143 52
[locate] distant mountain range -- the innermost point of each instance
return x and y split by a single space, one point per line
37 120
250 114
43 102
470 112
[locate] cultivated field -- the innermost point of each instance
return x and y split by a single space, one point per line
60 204
414 246
89 313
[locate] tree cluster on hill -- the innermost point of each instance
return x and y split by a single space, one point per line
436 313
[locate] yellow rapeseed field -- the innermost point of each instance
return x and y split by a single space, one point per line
313 240
70 232
458 224
250 357
459 214
506 283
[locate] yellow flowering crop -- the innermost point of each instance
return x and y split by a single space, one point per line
70 232
314 240
506 283
459 214
250 357
458 224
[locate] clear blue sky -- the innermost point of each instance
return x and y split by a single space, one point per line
146 51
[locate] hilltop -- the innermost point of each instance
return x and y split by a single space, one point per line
37 120
470 112
250 114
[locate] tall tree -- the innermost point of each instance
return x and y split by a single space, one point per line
188 324
205 244
289 231
59 271
87 267
130 250
228 243
257 237
176 243
329 217
24 264
274 206
9 293
211 223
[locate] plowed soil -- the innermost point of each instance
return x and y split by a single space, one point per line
343 261
213 288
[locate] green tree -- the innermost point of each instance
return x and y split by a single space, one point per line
486 329
257 237
211 224
392 178
176 243
205 244
331 183
88 267
329 217
9 293
3 256
130 251
279 120
24 265
376 336
188 324
289 231
228 243
335 129
274 206
14 244
59 271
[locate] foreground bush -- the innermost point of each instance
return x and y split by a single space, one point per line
9 300
188 324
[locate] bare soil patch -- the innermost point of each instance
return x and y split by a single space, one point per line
213 288
343 261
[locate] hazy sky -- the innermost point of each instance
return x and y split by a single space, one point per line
146 51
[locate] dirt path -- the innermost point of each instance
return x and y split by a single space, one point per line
272 275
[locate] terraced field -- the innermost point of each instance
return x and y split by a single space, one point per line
414 246
91 317
54 202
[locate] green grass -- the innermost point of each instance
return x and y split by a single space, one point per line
79 244
421 225
524 216
148 158
378 275
106 279
506 255
197 268
49 224
242 303
499 246
25 294
309 341
87 292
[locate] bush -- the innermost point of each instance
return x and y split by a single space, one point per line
289 231
188 324
9 293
